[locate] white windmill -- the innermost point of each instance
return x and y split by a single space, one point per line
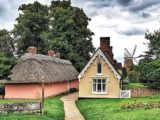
129 57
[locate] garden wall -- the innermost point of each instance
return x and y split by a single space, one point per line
20 107
142 92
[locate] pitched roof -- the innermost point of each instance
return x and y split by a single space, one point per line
35 68
99 53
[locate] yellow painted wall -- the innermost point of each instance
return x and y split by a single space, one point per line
85 83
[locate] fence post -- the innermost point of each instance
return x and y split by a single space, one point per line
42 100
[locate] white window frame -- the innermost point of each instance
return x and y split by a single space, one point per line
106 81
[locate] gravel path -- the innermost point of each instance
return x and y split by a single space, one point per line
70 108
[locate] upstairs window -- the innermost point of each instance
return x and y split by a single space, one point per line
99 68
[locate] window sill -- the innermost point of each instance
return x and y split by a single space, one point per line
99 93
99 74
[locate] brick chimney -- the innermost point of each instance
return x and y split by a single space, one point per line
32 50
51 53
105 47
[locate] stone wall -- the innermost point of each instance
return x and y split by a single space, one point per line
142 92
20 107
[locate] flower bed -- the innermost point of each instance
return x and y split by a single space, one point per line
140 105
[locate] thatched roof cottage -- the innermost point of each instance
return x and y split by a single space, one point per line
32 69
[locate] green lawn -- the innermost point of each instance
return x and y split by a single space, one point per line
110 109
136 85
53 111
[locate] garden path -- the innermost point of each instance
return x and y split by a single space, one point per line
70 108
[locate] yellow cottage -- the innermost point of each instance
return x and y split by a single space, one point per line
101 77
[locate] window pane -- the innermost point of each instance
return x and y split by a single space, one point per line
99 80
99 67
104 87
99 88
103 81
94 87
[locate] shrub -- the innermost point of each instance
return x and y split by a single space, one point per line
149 73
133 76
139 105
72 90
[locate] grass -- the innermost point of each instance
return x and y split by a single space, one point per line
53 111
136 85
110 109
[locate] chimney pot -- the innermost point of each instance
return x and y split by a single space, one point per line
57 55
51 53
32 50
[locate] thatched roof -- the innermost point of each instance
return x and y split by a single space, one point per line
35 68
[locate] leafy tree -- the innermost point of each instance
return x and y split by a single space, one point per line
133 76
69 34
31 24
154 44
149 73
6 64
6 42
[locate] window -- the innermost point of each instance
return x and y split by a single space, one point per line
99 85
99 68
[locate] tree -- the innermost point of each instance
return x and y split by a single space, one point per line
149 72
69 34
6 42
30 27
6 64
154 44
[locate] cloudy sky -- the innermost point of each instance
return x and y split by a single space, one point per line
125 21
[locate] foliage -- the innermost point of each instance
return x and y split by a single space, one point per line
32 23
6 42
124 72
6 64
53 111
140 105
149 73
69 33
126 81
132 76
104 109
60 27
72 90
154 44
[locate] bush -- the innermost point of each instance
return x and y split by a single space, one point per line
72 90
2 91
126 81
149 73
133 76
140 105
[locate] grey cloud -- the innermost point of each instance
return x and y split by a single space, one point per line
136 7
145 15
142 5
133 31
3 8
125 2
92 6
